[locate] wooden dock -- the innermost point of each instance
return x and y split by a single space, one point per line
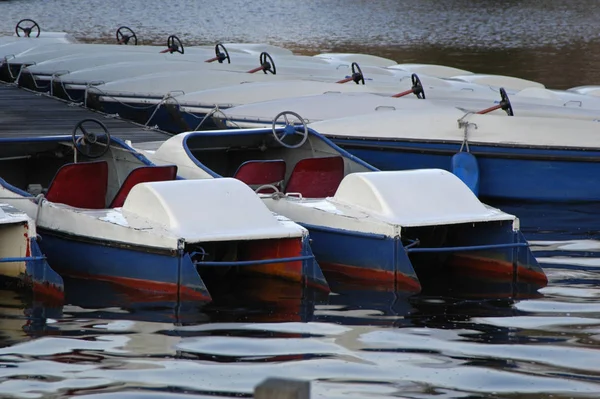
24 113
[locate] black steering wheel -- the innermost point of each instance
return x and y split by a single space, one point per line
125 34
90 144
357 75
267 65
505 103
417 86
222 56
27 29
290 130
174 45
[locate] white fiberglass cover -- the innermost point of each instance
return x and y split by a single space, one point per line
422 197
206 210
323 106
443 124
266 91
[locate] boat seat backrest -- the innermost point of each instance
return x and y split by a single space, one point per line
316 177
143 174
81 185
256 173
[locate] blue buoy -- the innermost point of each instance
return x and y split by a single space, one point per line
465 167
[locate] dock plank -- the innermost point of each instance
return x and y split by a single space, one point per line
24 113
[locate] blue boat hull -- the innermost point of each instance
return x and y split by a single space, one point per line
172 276
348 257
506 173
459 254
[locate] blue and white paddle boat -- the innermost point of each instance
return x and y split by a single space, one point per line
106 212
22 263
501 157
392 230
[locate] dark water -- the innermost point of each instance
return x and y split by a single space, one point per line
352 344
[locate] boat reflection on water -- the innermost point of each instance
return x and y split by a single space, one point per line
257 300
22 315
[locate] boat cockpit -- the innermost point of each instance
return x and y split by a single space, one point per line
90 171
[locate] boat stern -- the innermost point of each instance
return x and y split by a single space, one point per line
447 234
21 260
226 229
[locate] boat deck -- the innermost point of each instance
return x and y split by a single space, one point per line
24 113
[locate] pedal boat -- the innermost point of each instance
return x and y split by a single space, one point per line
394 230
107 213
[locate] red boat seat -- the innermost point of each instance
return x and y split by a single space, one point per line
258 172
82 185
316 177
143 174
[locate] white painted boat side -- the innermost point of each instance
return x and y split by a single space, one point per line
443 125
15 230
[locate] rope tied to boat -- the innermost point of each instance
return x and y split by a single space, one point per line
16 79
212 112
465 126
165 98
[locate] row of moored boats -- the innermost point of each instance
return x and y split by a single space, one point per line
318 170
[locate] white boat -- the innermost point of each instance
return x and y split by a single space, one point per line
514 158
387 230
105 212
334 105
22 264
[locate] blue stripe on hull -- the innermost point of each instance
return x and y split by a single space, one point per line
174 275
354 258
505 173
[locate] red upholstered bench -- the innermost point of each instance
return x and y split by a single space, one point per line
82 185
143 174
258 172
316 177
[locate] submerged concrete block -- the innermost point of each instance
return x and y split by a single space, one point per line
282 388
